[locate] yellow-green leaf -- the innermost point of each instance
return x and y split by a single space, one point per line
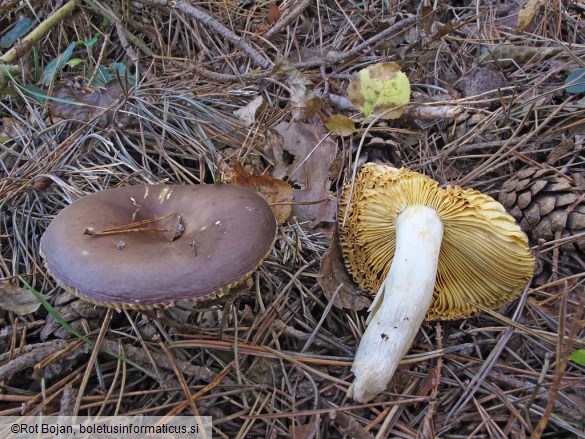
578 356
379 88
527 13
341 125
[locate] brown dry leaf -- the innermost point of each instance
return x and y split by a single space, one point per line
86 104
273 14
527 13
303 101
341 125
333 273
314 153
277 193
305 431
17 299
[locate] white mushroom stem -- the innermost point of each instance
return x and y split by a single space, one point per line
401 303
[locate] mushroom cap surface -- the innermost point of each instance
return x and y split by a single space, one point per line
223 234
484 256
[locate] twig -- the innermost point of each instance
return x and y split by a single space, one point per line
29 358
563 351
428 428
121 31
322 319
339 57
328 60
92 360
477 381
208 21
137 227
39 32
287 18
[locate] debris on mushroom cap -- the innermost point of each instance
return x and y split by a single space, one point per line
484 257
151 246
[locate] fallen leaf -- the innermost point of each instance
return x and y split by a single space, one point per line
273 14
305 431
575 82
248 113
578 356
18 30
17 299
277 193
334 275
303 101
379 88
314 153
86 104
341 125
56 64
527 13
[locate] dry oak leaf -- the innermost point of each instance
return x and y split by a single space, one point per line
277 193
303 101
314 153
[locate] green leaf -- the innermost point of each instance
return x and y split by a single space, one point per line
123 72
380 88
90 42
103 76
578 357
56 65
19 30
34 92
575 82
74 62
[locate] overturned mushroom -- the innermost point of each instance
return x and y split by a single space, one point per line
426 251
151 246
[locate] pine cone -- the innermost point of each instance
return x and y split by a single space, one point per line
74 311
546 204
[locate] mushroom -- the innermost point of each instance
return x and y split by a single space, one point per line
147 247
427 251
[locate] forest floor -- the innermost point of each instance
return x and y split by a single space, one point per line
116 93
